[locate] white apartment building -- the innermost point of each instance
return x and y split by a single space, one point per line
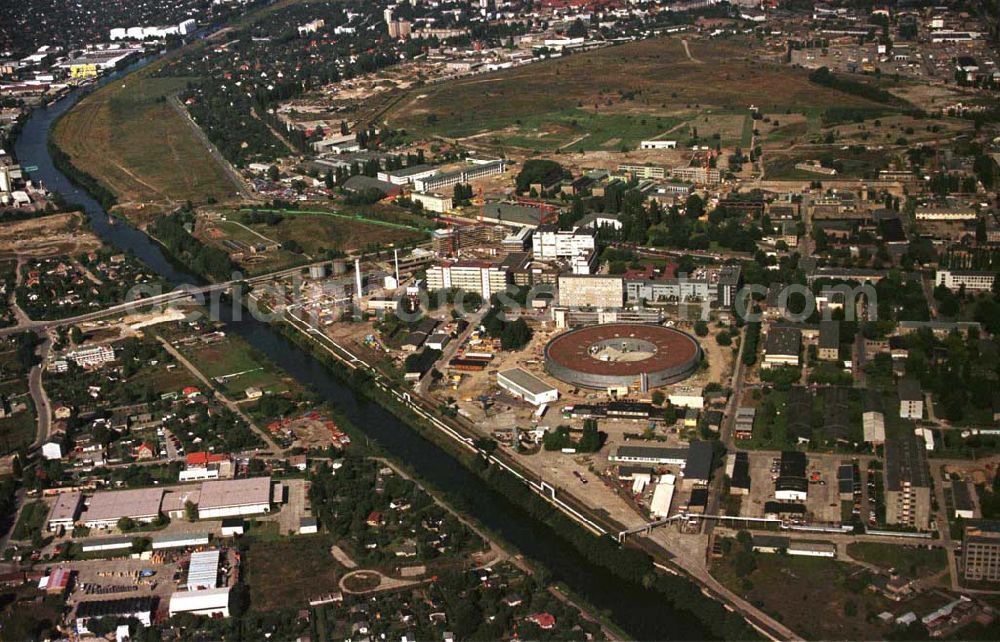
92 357
549 242
481 277
973 280
433 202
945 214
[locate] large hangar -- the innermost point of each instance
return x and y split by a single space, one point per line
618 355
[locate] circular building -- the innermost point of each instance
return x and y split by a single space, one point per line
622 355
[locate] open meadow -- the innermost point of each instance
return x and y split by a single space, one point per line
613 97
128 137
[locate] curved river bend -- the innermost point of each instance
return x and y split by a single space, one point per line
640 613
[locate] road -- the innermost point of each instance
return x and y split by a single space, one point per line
43 407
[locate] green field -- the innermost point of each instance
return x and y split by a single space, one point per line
128 137
911 561
239 367
820 599
31 521
318 231
643 79
290 571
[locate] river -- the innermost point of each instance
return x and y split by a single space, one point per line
640 613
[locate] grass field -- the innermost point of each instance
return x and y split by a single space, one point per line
128 137
817 598
911 561
317 232
290 571
650 77
17 431
235 362
32 520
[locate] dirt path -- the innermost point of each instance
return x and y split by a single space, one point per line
687 52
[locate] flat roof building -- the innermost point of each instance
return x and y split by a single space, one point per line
527 386
203 572
65 510
235 497
698 468
907 481
212 602
655 455
107 507
782 346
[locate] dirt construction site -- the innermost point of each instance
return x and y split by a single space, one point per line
55 235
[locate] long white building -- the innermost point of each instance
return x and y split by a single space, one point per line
482 277
973 280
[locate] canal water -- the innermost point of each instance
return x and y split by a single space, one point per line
640 613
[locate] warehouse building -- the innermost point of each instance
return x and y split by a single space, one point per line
652 455
212 602
873 425
792 484
184 540
829 340
140 608
203 571
663 496
698 468
106 544
65 510
235 497
782 347
106 508
527 386
911 399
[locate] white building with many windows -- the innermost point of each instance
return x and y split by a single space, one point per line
482 277
972 280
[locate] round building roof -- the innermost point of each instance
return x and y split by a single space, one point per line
623 350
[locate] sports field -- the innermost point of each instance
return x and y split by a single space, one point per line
602 89
129 137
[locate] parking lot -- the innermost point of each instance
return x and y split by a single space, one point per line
823 502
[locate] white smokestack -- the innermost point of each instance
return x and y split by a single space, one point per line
357 279
395 254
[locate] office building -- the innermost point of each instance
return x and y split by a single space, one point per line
591 291
981 551
971 280
482 277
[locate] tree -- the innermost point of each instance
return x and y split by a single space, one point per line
272 173
537 170
126 524
76 335
701 328
190 510
591 440
694 206
658 397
